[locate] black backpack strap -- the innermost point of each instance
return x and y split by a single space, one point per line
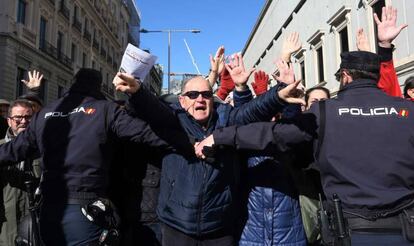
322 125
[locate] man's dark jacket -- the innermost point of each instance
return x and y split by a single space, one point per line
74 136
197 197
366 154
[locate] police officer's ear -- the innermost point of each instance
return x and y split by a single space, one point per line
345 77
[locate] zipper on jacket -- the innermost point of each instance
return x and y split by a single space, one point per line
200 209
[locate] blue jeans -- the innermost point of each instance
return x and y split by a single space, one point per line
378 239
64 224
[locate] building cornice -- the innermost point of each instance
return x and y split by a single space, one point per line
257 24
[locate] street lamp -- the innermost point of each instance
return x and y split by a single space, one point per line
169 31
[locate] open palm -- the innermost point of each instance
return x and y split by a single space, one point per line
387 26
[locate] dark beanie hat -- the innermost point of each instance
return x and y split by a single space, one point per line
87 79
31 96
360 60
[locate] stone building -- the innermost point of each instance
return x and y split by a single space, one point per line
326 29
57 37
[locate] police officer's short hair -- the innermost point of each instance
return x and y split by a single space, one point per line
19 102
358 74
408 84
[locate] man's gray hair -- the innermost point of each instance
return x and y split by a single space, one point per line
186 80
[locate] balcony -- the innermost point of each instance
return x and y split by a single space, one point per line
48 49
95 44
55 53
87 35
77 25
64 10
103 53
64 59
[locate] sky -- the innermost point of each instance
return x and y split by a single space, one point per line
222 22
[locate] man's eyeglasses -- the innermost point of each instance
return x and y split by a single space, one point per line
19 118
195 94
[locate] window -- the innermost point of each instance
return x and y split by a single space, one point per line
43 90
20 87
86 24
75 13
303 72
93 64
42 33
83 59
319 65
377 8
343 40
73 52
21 11
61 91
59 44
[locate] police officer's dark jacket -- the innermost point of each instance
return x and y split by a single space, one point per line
73 135
199 197
366 156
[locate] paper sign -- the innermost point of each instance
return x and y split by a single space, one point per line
137 62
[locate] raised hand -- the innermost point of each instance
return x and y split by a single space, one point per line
126 83
286 72
226 85
35 80
216 65
387 26
362 41
290 94
260 82
290 45
198 147
238 72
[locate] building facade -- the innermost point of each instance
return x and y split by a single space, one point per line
153 80
326 29
57 38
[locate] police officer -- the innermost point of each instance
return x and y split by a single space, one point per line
363 144
74 136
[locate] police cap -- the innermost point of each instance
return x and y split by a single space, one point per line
360 60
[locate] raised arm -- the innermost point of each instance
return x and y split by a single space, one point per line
136 130
34 82
266 137
266 106
387 32
216 65
145 105
290 45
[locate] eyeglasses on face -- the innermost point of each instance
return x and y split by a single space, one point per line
19 118
195 94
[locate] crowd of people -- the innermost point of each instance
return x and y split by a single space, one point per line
220 164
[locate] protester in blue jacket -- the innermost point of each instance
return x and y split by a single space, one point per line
273 211
198 199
